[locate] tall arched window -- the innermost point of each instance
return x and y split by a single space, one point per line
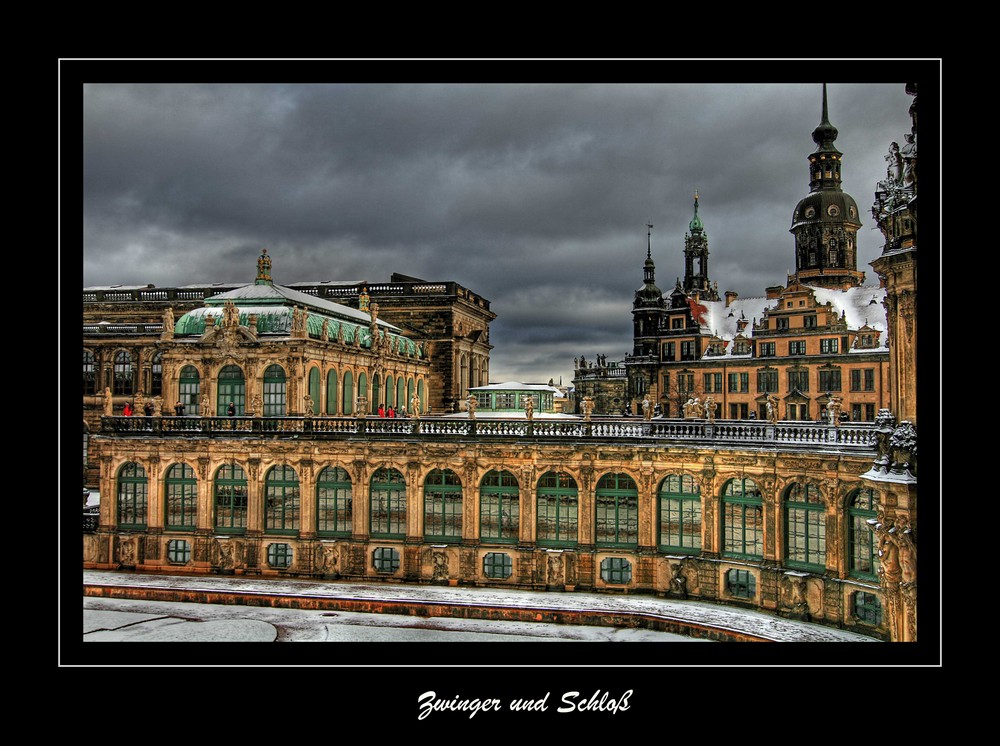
363 390
862 555
401 402
314 390
348 406
232 388
421 394
390 392
274 391
181 498
89 373
443 506
189 389
156 375
334 502
376 397
409 395
617 503
124 374
463 377
132 496
281 501
558 505
230 490
680 514
742 519
805 527
387 504
499 507
331 392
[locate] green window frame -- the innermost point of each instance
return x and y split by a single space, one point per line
189 390
124 373
742 519
275 392
363 391
617 511
499 507
679 502
401 402
178 551
232 388
497 566
279 556
862 552
616 570
557 514
420 395
869 379
829 346
805 527
443 506
798 379
767 381
390 392
230 499
856 379
713 383
156 375
867 609
410 386
829 380
741 583
331 392
181 498
314 389
334 502
387 504
797 347
89 373
385 559
133 496
282 501
766 349
348 400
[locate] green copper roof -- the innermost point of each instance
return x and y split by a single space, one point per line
696 224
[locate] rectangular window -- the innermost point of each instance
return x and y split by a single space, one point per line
798 379
797 348
869 412
685 382
767 381
782 323
855 380
713 383
741 583
827 346
869 379
738 411
809 322
856 412
497 566
677 322
766 349
829 380
669 351
688 350
734 383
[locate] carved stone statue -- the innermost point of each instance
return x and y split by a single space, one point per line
340 333
909 155
471 406
710 409
647 408
109 405
230 315
126 553
307 405
257 402
587 405
264 266
324 331
440 560
529 408
168 323
326 559
555 567
772 409
415 407
678 583
833 411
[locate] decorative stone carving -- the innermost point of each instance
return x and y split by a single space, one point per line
415 407
264 266
529 408
324 332
126 551
253 468
555 569
327 559
793 595
307 403
440 566
471 404
772 409
587 405
833 411
647 408
710 409
168 324
109 405
678 580
228 554
257 404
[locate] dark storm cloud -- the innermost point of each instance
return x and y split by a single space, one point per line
534 196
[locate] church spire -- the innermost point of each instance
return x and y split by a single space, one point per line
696 258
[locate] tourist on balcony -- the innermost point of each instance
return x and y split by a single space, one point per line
390 412
232 409
179 409
381 410
127 410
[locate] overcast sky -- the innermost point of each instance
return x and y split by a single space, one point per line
535 196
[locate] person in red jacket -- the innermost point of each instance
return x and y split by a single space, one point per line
391 412
127 411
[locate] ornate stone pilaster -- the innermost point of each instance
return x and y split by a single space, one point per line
307 502
255 497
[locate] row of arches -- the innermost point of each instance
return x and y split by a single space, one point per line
120 372
552 506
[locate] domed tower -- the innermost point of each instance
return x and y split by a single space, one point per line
696 258
825 223
648 306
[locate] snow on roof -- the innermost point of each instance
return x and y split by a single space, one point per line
279 292
516 386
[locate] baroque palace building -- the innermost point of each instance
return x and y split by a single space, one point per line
807 519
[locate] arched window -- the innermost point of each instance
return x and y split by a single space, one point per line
680 514
862 554
363 390
409 394
443 506
281 500
124 374
331 392
348 399
189 389
89 373
334 502
230 499
274 392
742 519
181 498
387 504
376 397
390 392
401 401
805 527
421 396
463 378
132 496
499 507
556 522
156 375
314 390
617 503
232 388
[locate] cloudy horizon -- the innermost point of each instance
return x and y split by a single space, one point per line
534 196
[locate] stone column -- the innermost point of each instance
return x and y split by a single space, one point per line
109 495
206 518
307 500
527 499
414 503
772 518
255 498
154 500
647 508
360 489
586 507
711 514
470 503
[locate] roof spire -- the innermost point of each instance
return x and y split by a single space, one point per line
696 225
825 133
649 241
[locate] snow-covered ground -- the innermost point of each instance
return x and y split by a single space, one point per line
741 620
